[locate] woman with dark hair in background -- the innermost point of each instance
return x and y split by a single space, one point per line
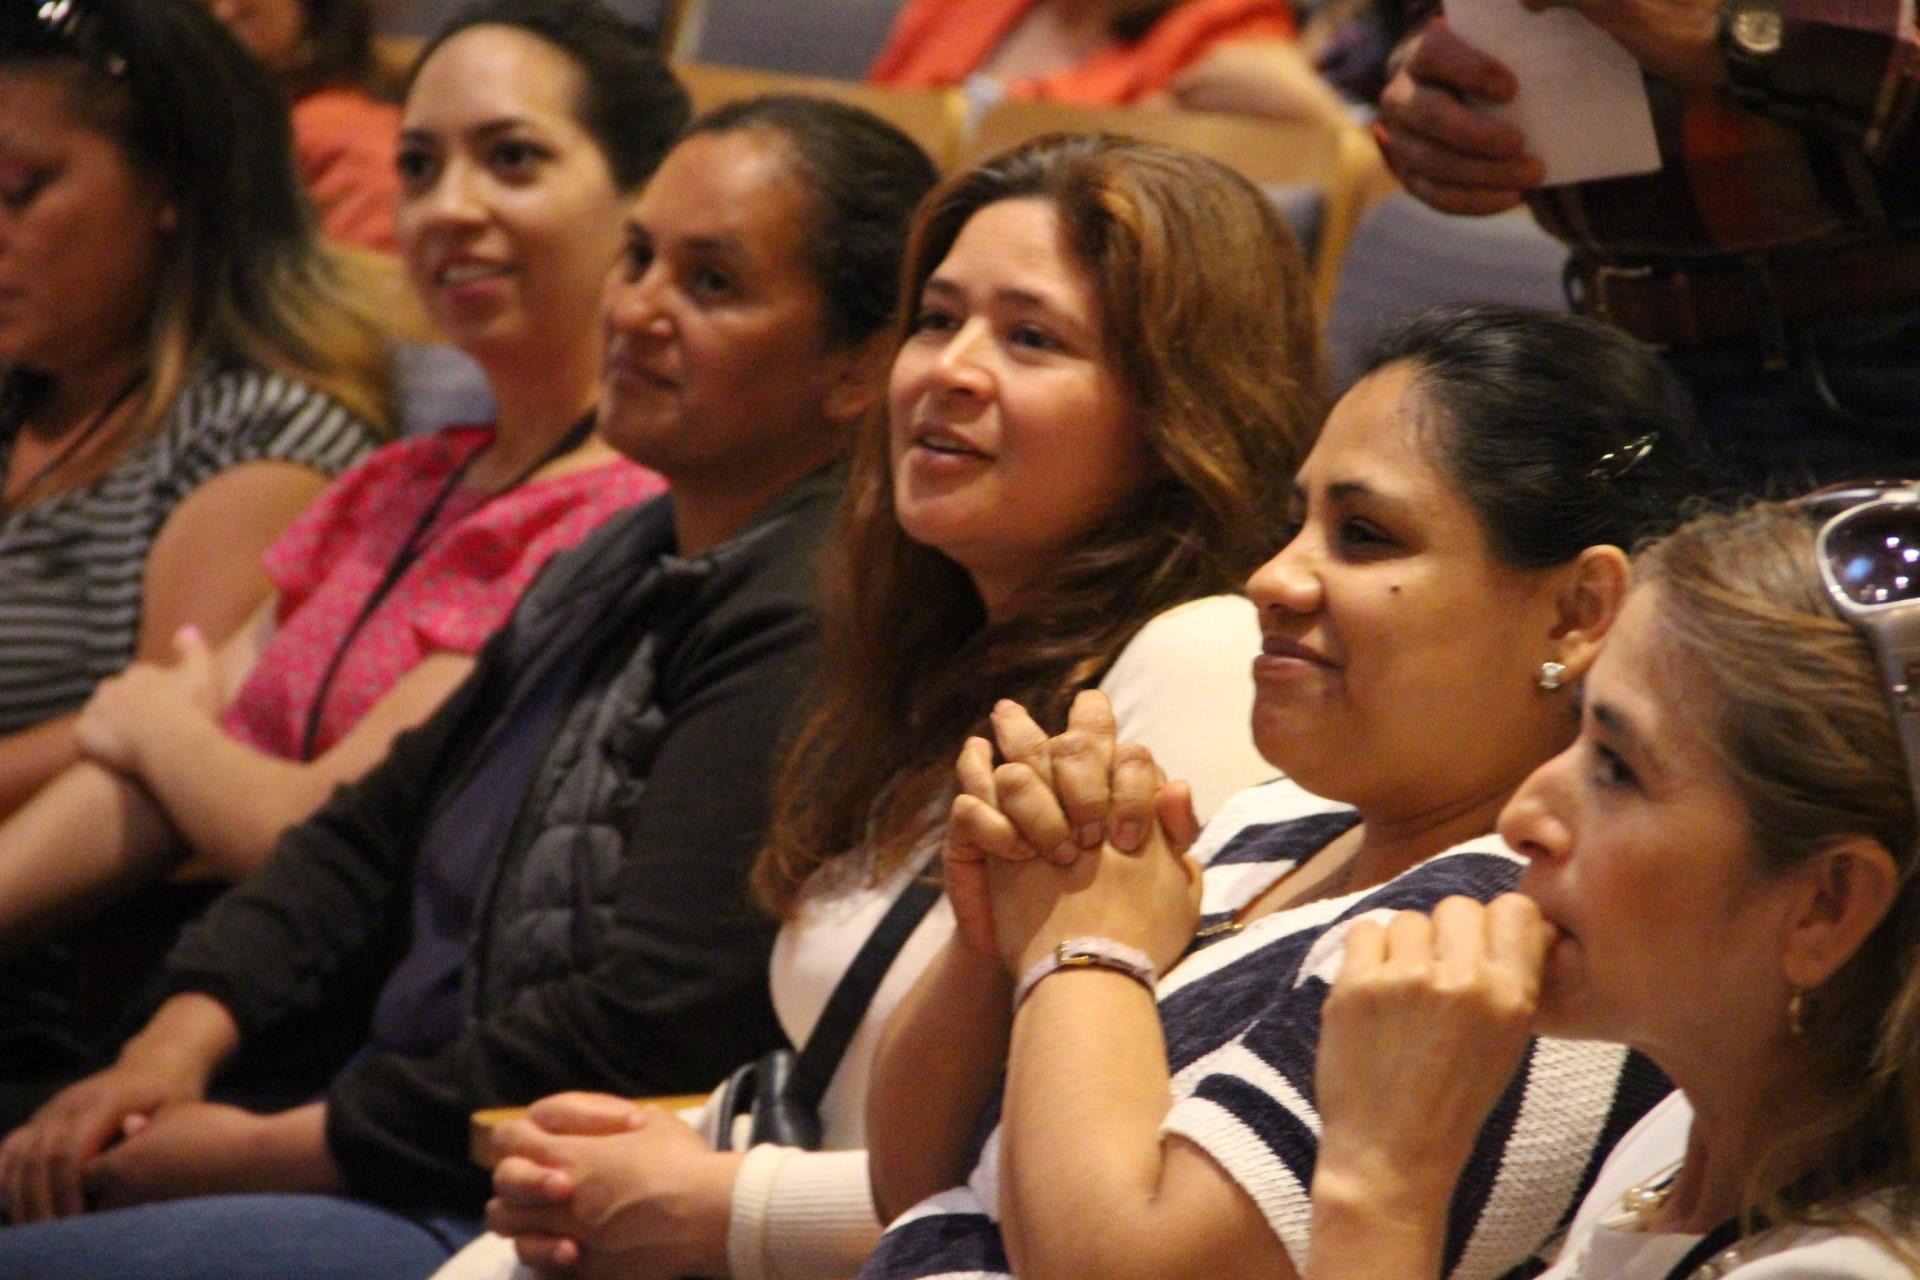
344 137
1455 563
1106 374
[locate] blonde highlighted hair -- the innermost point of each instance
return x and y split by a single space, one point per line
1799 721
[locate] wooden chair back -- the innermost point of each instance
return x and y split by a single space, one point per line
1338 161
934 118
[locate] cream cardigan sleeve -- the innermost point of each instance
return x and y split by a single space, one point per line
800 1214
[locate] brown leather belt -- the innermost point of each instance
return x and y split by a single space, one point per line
1761 295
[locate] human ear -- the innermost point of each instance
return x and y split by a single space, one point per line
1839 896
858 375
1591 592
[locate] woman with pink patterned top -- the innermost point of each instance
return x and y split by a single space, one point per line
528 131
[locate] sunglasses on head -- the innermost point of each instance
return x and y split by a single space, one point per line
60 24
1869 554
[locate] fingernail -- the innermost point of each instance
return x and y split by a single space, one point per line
1090 835
1066 851
1128 835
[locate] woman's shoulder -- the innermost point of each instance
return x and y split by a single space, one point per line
1869 1250
1884 1245
1183 687
1222 622
1251 823
248 404
935 42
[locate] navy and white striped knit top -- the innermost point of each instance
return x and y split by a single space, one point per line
72 567
1241 1014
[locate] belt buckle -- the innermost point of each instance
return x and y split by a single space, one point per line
1681 325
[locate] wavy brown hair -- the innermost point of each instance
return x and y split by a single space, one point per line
1797 718
1206 314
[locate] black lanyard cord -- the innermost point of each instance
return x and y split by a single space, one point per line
417 541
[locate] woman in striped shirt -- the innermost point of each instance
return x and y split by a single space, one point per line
180 373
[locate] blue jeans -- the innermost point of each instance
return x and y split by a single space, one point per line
272 1237
1845 404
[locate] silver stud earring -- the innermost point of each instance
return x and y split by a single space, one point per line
1797 1013
1550 673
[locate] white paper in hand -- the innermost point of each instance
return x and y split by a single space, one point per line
1582 105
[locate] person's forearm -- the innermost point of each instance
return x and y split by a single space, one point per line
933 1075
229 802
289 1153
1080 1136
1375 1227
32 757
89 836
188 1038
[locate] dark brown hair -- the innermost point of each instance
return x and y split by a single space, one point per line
337 48
1206 314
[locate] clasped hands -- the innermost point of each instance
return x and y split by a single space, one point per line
126 1137
1074 835
598 1187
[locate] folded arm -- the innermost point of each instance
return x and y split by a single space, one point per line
203 570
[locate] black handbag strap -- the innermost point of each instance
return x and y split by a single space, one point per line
817 1062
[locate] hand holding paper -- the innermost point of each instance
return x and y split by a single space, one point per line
1581 104
1437 135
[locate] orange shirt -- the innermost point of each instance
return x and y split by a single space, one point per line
343 144
939 43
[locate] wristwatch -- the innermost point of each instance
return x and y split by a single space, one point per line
1750 35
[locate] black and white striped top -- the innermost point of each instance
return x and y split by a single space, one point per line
1241 1015
72 567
